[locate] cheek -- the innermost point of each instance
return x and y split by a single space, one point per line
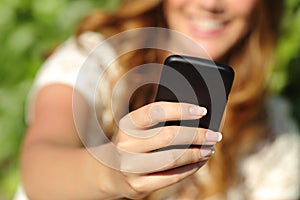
244 9
174 3
243 16
172 11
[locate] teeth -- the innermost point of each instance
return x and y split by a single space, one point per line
207 25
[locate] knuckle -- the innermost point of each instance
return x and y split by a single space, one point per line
156 112
172 159
167 135
123 121
195 155
137 187
125 165
199 137
122 144
137 190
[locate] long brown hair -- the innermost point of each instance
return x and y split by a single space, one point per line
246 117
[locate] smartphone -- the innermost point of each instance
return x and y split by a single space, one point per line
197 81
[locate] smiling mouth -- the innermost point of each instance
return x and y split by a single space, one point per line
207 26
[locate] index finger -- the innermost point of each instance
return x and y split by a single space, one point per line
156 112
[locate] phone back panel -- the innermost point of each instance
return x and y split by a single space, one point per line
196 81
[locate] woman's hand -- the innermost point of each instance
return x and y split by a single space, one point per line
143 165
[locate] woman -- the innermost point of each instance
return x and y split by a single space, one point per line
55 164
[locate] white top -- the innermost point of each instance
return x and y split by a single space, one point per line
272 173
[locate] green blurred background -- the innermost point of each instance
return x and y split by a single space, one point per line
30 28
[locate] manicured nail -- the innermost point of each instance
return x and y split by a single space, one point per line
204 111
220 137
196 110
213 136
205 152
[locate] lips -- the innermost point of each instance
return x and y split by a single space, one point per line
207 26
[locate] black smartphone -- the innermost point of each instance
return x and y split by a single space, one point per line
197 81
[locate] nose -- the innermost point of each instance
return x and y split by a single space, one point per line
211 5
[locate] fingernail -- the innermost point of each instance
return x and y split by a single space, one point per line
220 137
213 136
204 111
205 152
196 110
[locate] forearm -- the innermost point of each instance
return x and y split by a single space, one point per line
59 172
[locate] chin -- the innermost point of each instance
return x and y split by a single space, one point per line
214 55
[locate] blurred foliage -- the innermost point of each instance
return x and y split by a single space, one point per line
288 47
286 72
30 28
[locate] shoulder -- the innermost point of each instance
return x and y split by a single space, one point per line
71 54
66 61
65 65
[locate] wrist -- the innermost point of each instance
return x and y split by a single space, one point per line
105 181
